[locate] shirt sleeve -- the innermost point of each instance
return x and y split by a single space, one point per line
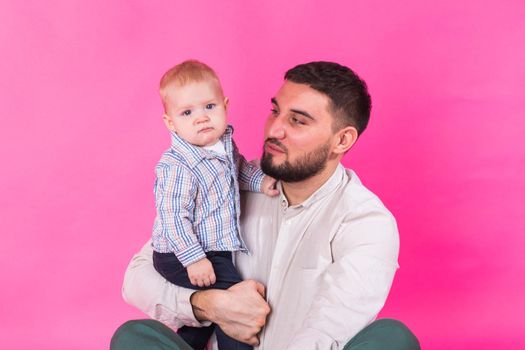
145 289
355 287
250 176
175 194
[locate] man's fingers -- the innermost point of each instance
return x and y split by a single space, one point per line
253 341
213 278
260 289
243 311
273 192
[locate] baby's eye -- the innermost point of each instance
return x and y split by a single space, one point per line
210 106
186 113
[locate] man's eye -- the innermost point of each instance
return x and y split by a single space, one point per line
297 121
186 113
210 106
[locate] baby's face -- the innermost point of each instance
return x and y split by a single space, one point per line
197 112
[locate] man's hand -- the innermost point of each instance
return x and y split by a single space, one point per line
268 186
240 310
201 273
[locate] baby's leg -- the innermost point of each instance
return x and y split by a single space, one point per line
227 275
171 269
197 338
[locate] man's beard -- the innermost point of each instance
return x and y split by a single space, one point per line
305 167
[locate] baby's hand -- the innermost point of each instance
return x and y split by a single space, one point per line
268 186
201 273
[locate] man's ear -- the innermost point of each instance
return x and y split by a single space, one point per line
168 122
345 139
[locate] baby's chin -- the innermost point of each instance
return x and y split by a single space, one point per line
210 141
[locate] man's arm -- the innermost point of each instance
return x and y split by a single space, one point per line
149 292
240 311
355 287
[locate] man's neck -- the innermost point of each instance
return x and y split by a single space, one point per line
298 192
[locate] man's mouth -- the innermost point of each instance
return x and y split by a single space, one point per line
274 146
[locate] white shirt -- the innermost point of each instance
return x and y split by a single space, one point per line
217 147
328 264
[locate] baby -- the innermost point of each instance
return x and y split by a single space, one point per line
197 191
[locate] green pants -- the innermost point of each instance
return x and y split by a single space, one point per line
383 334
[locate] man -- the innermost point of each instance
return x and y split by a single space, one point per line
323 253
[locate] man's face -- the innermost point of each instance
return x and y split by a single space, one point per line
197 112
298 133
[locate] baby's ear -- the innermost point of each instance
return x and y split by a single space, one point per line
226 100
168 122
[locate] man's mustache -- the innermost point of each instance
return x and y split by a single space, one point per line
277 143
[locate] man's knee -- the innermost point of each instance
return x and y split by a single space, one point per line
146 335
384 334
126 335
395 332
121 335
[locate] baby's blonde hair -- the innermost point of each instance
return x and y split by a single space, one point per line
189 71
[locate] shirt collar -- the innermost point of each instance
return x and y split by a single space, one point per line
192 154
334 181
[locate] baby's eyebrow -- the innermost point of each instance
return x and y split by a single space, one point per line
184 108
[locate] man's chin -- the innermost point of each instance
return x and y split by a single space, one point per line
267 164
273 160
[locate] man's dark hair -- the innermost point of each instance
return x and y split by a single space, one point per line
350 101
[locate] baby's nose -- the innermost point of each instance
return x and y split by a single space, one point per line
202 118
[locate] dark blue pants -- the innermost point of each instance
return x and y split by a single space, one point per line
226 275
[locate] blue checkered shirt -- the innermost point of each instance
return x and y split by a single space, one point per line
197 199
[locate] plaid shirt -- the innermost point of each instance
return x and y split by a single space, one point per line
197 199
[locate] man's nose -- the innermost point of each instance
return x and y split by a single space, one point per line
276 127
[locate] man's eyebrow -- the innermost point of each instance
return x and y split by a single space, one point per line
306 114
294 110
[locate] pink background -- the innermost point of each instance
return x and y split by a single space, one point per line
81 132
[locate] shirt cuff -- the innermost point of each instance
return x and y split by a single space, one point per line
191 254
185 309
257 180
